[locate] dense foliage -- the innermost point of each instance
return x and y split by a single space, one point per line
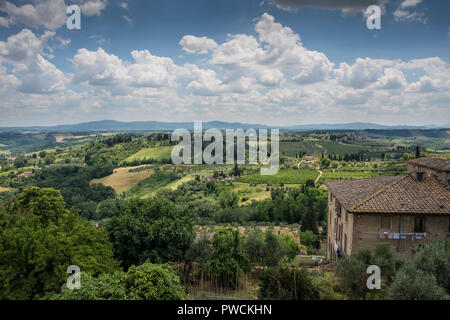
152 230
39 239
426 276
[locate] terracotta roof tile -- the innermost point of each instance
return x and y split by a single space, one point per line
433 163
352 192
408 195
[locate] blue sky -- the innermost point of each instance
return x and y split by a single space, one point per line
275 62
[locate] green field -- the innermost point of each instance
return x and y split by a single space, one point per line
285 176
248 194
156 153
338 175
317 147
159 179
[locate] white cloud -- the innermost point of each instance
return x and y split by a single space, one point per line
91 7
98 68
49 14
410 3
199 45
391 80
127 19
277 50
405 12
269 77
362 73
24 53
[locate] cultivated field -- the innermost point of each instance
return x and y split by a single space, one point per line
285 176
156 153
160 179
247 194
317 147
123 180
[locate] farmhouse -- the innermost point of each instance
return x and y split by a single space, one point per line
401 211
23 175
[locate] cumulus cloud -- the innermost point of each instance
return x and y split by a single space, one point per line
277 50
98 68
359 75
49 14
25 52
269 76
200 45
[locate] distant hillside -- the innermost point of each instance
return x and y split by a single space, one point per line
351 126
112 125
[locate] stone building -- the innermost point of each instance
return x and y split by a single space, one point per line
401 210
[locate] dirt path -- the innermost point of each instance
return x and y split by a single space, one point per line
298 165
318 169
318 178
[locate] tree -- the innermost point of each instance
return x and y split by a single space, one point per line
229 259
40 239
309 240
236 171
274 250
426 276
325 162
290 246
152 230
309 222
284 283
310 183
255 247
417 152
145 282
46 204
228 199
153 282
104 287
352 270
198 253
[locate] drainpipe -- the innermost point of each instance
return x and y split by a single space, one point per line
400 238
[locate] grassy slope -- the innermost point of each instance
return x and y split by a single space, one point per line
317 147
123 180
156 153
285 176
147 187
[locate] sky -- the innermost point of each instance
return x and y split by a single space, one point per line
274 62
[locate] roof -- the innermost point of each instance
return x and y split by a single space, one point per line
403 194
433 163
351 192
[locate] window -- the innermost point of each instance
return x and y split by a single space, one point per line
345 243
419 224
335 226
346 215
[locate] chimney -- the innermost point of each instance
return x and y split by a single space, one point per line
419 176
